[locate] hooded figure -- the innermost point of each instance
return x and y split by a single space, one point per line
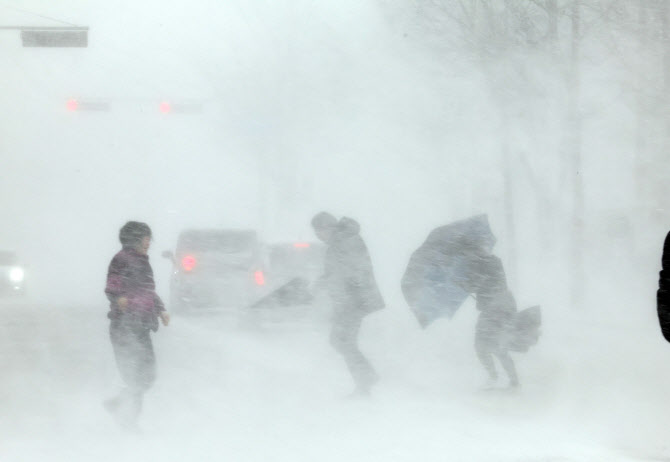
134 311
455 262
349 278
496 326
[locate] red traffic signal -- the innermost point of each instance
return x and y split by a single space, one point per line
166 107
74 105
188 262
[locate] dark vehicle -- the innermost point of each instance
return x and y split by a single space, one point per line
292 268
299 259
12 274
216 268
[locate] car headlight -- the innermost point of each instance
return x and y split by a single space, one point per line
16 274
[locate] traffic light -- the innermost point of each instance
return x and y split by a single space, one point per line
74 105
167 107
133 105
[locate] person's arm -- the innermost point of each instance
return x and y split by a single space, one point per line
321 282
361 277
663 293
159 306
114 289
357 261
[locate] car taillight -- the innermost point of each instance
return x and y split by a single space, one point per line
188 263
301 245
259 277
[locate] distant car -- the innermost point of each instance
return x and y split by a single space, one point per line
12 274
216 268
292 268
296 259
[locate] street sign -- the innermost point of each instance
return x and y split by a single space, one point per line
66 38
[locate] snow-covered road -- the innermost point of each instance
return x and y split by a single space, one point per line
277 393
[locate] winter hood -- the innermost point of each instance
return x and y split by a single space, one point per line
346 228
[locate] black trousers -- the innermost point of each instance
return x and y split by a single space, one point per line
492 334
136 362
344 338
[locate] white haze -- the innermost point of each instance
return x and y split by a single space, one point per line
342 106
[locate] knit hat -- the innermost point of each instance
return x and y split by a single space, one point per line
131 233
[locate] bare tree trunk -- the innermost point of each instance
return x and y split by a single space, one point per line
640 122
552 14
658 180
547 231
575 126
510 226
665 31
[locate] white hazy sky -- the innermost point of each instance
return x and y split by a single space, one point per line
310 106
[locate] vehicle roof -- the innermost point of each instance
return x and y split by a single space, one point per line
295 244
226 240
217 232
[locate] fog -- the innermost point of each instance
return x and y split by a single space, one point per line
389 112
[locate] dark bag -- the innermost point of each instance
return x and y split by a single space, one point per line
526 329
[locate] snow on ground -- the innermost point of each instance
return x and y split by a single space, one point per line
592 390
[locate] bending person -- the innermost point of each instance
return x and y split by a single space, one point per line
351 285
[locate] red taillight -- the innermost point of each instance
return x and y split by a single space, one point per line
301 245
72 105
188 263
259 277
165 107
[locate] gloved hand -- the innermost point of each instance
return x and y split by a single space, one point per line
122 303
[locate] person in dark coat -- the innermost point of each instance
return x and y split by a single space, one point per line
134 311
497 311
350 282
663 294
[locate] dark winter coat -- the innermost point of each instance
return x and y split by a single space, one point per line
496 322
348 272
663 294
130 275
486 279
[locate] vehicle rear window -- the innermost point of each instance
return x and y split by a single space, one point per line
224 242
288 257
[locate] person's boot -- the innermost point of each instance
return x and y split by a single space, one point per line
112 405
490 383
131 411
514 384
359 393
117 408
125 408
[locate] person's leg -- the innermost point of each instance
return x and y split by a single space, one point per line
119 406
136 362
344 338
486 359
145 361
143 373
485 345
508 364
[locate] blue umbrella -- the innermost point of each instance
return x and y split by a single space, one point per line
437 279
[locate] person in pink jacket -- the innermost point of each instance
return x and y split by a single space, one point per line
135 309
